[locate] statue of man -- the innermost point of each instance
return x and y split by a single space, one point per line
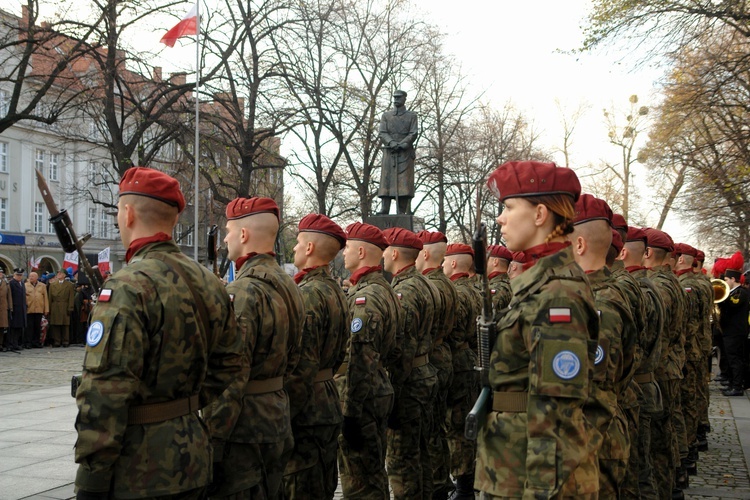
398 132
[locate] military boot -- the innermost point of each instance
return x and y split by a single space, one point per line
677 494
690 464
701 438
682 478
464 488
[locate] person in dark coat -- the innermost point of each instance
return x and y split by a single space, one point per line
18 312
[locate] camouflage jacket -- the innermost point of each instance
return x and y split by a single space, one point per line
417 298
446 315
269 314
673 335
148 342
463 338
375 316
545 350
707 310
652 340
324 336
501 292
693 319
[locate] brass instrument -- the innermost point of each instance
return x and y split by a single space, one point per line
721 290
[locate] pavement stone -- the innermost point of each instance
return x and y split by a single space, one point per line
37 434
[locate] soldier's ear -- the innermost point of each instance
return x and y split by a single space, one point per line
244 235
541 215
309 248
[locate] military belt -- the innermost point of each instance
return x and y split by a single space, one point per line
513 402
644 378
420 361
324 375
152 413
264 386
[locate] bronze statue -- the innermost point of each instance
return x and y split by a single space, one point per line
398 132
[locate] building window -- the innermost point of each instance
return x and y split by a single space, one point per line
92 221
104 226
39 160
3 213
189 238
4 102
54 174
4 157
38 217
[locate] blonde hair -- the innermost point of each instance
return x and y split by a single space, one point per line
563 210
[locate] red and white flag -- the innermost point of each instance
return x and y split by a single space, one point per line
34 262
188 26
71 260
103 262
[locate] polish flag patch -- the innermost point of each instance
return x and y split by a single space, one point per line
688 290
559 315
360 301
399 296
493 291
105 295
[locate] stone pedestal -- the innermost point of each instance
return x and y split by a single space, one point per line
409 222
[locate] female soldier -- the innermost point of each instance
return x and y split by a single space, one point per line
535 442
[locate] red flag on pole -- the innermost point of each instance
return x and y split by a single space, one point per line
188 26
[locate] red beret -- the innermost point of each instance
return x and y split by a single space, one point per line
519 257
319 223
636 234
400 237
459 248
244 207
144 181
366 233
616 240
532 178
429 237
500 252
659 239
699 255
685 249
589 208
619 222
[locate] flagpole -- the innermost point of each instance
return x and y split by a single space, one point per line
196 148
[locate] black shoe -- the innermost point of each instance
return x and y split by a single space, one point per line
725 383
677 494
720 377
733 392
464 488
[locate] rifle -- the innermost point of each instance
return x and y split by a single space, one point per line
211 249
66 235
485 334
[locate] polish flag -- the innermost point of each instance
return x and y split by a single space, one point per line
103 261
188 26
71 260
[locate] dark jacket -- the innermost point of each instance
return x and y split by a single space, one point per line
18 296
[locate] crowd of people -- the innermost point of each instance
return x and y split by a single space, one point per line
273 387
42 309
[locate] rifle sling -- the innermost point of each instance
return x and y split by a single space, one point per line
512 402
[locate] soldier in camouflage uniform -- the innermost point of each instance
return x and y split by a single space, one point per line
706 345
498 259
694 361
313 398
429 264
541 365
664 436
250 425
365 389
633 396
459 260
614 365
650 402
413 378
157 351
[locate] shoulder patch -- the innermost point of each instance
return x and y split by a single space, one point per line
360 301
689 289
493 291
599 355
356 325
105 295
566 365
399 295
559 315
95 333
231 297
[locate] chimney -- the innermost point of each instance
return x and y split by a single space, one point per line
178 78
157 74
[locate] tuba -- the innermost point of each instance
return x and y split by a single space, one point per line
721 290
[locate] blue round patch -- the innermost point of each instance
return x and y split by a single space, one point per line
95 333
356 325
566 365
599 355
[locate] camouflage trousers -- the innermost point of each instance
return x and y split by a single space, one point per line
463 393
408 461
613 456
664 440
253 471
311 471
704 377
678 423
690 399
438 448
630 487
194 494
646 484
362 472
